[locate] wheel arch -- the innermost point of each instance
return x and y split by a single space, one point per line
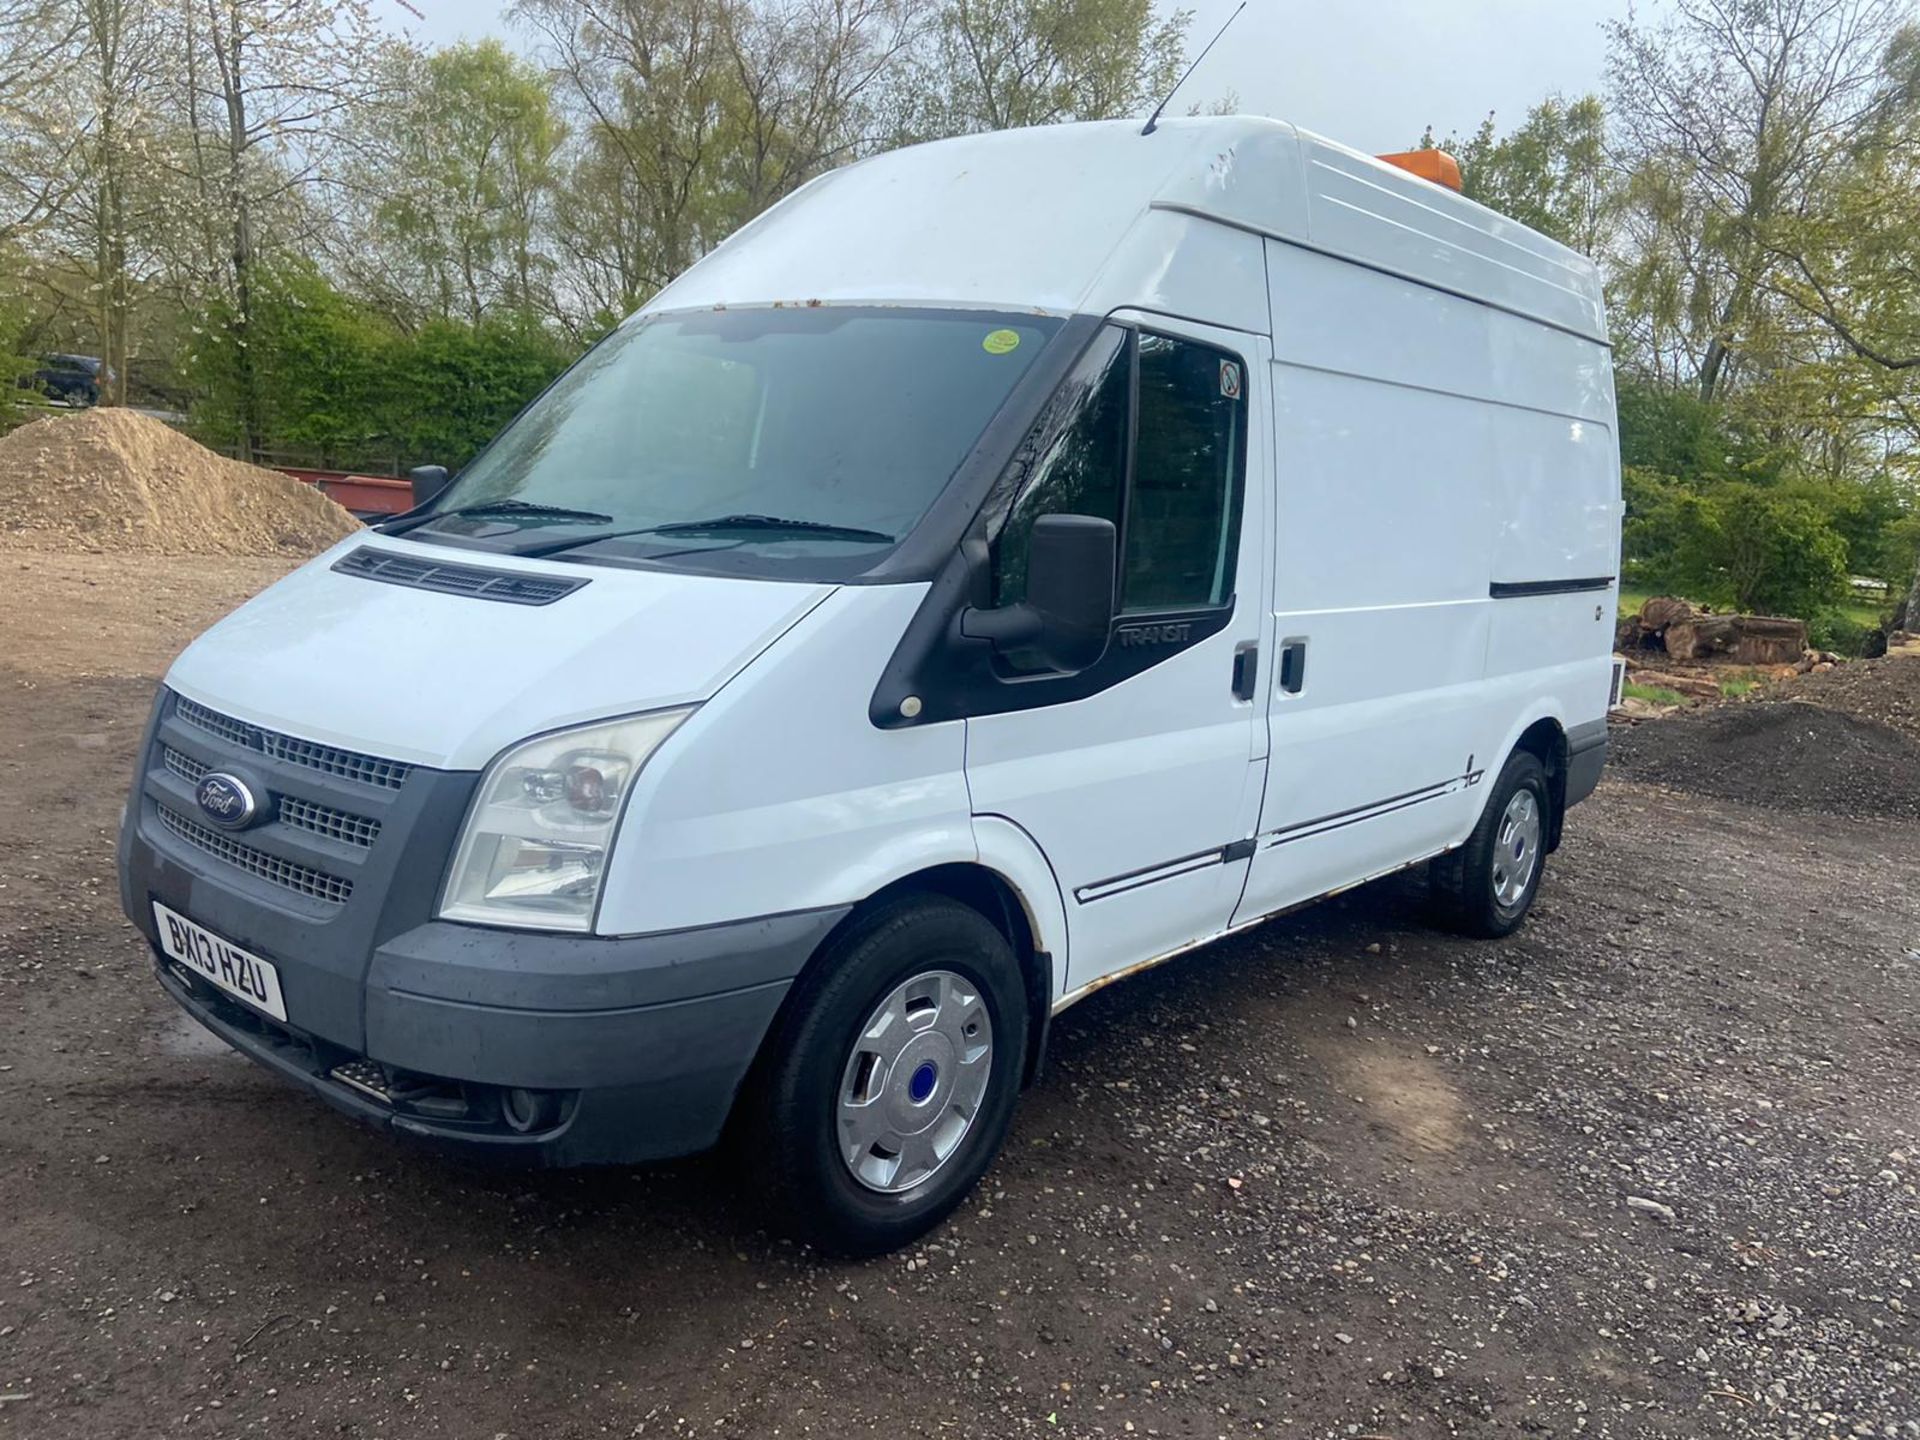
1545 737
1010 911
1028 915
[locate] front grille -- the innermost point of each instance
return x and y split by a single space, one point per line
301 879
515 587
185 766
327 759
292 810
325 820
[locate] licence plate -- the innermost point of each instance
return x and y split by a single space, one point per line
222 964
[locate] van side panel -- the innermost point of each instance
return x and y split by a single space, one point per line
1134 793
1425 447
1556 515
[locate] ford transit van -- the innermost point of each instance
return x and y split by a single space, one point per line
1004 565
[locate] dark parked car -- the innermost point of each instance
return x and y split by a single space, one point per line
75 379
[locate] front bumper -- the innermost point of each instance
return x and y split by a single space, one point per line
458 1015
633 1047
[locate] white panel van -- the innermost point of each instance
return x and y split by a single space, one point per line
1004 565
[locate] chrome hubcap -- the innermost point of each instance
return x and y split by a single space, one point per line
1516 850
914 1081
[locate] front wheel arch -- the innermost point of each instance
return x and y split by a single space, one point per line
995 897
775 1133
975 886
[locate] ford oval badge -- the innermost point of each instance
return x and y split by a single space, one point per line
225 800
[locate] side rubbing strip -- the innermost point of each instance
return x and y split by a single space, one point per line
1165 870
1238 850
1519 589
1134 879
1340 819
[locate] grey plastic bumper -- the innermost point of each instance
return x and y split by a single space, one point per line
648 1037
1586 758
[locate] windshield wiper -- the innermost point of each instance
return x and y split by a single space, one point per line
771 522
505 510
722 523
528 507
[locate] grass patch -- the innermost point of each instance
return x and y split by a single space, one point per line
1653 694
1734 686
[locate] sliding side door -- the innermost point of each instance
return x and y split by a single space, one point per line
1384 459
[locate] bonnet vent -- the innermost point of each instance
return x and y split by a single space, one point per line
510 587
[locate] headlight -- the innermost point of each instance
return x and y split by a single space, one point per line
535 846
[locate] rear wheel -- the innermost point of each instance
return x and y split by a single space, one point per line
1487 886
891 1077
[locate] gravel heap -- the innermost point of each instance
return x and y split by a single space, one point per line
116 481
1791 754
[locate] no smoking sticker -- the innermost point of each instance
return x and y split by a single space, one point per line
1229 379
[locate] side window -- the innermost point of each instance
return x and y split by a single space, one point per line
1182 539
1076 459
1150 433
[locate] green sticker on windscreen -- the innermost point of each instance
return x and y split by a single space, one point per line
999 342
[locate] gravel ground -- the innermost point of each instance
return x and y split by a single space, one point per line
1646 1168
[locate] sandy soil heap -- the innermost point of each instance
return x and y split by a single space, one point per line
113 480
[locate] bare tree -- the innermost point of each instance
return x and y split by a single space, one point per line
1730 115
269 84
998 64
118 47
651 82
812 78
692 116
38 137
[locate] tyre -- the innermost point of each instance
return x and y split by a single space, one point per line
890 1078
1486 887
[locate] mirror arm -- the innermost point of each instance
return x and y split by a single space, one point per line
1009 626
427 481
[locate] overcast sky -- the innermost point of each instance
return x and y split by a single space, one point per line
1370 73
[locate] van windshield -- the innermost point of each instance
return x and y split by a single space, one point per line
799 435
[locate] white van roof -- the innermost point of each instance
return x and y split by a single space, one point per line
1028 219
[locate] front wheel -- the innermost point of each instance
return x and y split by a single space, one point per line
1487 886
891 1076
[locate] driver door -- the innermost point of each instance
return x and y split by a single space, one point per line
1140 776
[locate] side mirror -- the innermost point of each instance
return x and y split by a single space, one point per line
1068 613
428 481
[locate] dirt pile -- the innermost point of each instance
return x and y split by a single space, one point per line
116 481
1886 691
1778 754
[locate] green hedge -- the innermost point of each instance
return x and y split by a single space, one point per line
345 388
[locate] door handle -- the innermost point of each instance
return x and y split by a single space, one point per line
1293 666
1246 669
